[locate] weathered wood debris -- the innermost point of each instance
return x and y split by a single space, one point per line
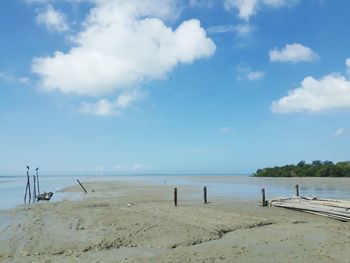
337 209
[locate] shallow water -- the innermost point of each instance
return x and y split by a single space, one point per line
12 188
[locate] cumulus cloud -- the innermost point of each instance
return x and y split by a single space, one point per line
293 53
316 95
248 8
124 43
105 107
52 19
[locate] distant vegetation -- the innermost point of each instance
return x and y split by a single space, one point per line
302 169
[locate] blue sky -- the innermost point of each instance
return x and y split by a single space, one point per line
177 86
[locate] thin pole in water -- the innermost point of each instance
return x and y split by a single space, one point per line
297 190
28 191
263 199
37 180
205 194
34 189
175 196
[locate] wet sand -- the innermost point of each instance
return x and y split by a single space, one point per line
103 228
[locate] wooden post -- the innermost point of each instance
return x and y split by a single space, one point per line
34 189
37 180
297 190
82 186
205 194
28 191
263 200
175 196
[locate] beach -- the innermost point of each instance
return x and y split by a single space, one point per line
135 222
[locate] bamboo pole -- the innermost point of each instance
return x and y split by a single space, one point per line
34 188
82 186
37 180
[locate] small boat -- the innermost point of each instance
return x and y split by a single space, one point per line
44 196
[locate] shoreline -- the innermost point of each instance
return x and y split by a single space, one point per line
219 186
102 227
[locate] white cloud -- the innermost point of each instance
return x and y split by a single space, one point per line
347 62
226 130
255 75
221 29
9 77
249 74
24 80
242 29
248 8
105 107
278 3
293 53
52 19
201 3
137 167
123 44
339 132
329 92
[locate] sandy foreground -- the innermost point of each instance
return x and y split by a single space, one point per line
103 228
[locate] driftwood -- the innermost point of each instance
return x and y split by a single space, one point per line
337 209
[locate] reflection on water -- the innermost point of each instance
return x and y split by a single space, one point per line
12 189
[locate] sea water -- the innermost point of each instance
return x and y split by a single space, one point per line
12 188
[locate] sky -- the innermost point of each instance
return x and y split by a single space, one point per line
173 86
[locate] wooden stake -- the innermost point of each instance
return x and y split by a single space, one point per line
205 194
37 181
297 190
175 196
263 200
34 189
82 186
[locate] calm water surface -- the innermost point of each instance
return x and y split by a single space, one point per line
12 188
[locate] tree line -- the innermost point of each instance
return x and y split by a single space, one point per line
302 169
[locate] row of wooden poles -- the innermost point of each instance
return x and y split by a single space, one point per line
205 196
264 202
